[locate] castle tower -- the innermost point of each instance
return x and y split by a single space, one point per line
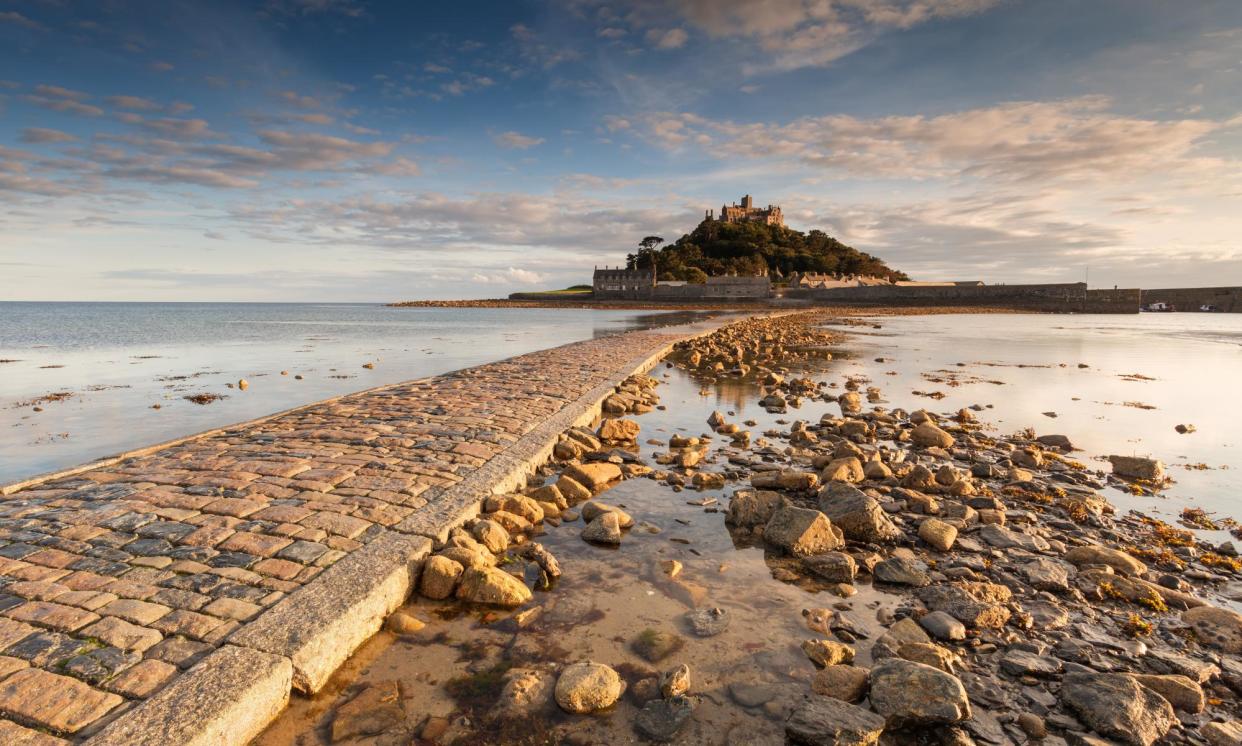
747 202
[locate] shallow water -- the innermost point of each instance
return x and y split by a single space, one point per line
115 361
1186 367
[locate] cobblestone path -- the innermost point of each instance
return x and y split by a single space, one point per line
114 581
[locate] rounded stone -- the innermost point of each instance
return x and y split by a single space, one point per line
587 686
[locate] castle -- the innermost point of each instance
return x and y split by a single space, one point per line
748 213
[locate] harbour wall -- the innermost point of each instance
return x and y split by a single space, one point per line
1057 297
1226 299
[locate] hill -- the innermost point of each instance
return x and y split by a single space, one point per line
717 248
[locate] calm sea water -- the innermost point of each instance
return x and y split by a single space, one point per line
1146 374
109 363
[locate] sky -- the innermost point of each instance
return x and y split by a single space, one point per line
359 150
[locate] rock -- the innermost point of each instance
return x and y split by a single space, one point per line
1185 429
1004 538
402 623
372 711
929 435
594 476
901 571
876 470
857 515
851 403
661 719
827 652
1117 706
1223 734
587 686
520 505
908 694
716 419
1032 725
526 692
491 535
439 577
848 469
929 654
846 683
1046 575
594 509
708 622
1018 662
942 626
802 531
572 490
1137 467
1183 693
490 585
605 529
675 682
834 567
656 645
973 604
1098 555
938 534
619 431
1056 441
1216 627
826 721
748 508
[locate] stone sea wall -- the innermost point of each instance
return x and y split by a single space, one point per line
1061 297
179 595
1226 299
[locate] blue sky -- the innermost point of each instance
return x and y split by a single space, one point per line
343 150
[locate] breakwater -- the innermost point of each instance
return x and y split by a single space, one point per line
1055 297
1223 299
178 596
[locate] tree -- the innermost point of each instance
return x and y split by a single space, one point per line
646 256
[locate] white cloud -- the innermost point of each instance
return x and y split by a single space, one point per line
516 140
673 38
1073 139
511 276
35 135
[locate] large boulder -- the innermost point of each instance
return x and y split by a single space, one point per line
973 604
1182 692
1216 627
1097 555
907 694
938 534
802 532
930 436
827 721
749 508
1116 705
618 431
594 476
605 529
439 577
490 585
587 686
847 469
1137 467
857 514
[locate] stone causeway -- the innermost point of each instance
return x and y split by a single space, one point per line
179 595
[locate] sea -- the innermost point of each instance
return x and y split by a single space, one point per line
83 381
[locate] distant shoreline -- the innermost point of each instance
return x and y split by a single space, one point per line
599 305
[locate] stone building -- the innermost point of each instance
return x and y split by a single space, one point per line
622 283
748 213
